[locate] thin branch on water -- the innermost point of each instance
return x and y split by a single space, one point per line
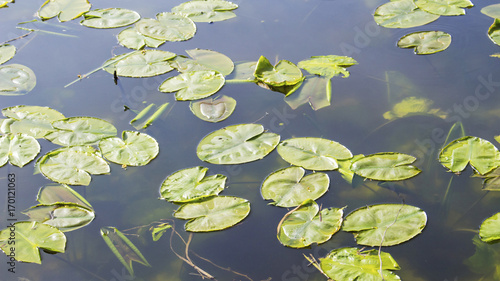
223 268
17 38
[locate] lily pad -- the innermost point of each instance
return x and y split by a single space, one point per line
213 110
110 18
490 229
193 85
317 91
73 167
328 66
191 184
284 73
308 224
214 213
134 149
402 14
206 10
65 10
289 188
16 80
143 120
386 166
385 224
237 144
65 217
313 153
184 64
244 71
491 180
356 264
146 63
168 27
345 169
7 52
3 4
492 11
30 237
212 60
493 32
426 42
35 121
18 149
482 155
414 106
131 38
444 7
60 193
80 131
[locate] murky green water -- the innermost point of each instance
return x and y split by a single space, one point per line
293 30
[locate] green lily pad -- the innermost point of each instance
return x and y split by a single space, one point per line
60 193
444 7
244 71
80 131
184 64
72 166
289 188
30 237
206 10
317 91
491 180
426 42
356 264
168 27
65 10
16 80
328 66
18 149
345 168
482 155
402 14
65 217
485 260
212 60
146 63
213 110
35 121
193 85
313 153
131 38
134 149
7 52
385 224
237 144
214 213
414 106
284 73
490 229
308 224
191 184
110 18
492 11
157 231
493 32
386 166
3 4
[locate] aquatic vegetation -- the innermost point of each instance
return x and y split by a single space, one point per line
213 109
143 120
18 149
444 7
402 14
80 131
193 85
328 66
494 32
35 121
386 166
145 63
65 10
110 18
410 106
490 229
282 77
492 11
168 27
65 217
16 79
133 149
131 38
426 42
7 52
206 10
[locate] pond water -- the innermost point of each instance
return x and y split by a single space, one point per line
293 30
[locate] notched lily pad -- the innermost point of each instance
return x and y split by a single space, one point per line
7 52
133 149
426 42
168 27
145 63
65 217
492 11
213 109
16 80
444 7
206 10
494 32
80 131
386 166
35 121
402 14
65 10
18 149
490 229
110 18
60 193
131 38
212 60
328 66
193 85
282 77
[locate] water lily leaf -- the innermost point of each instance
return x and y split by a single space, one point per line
30 237
16 79
284 73
193 85
157 232
7 52
134 149
308 224
492 11
35 121
145 120
18 149
212 60
206 10
80 131
444 7
482 155
491 180
402 14
317 91
65 217
237 144
3 4
146 63
72 166
426 42
184 64
289 188
385 224
493 32
345 168
490 229
313 153
244 71
485 259
191 184
60 193
167 26
65 10
386 166
359 265
414 106
110 18
131 38
214 213
328 66
123 248
213 110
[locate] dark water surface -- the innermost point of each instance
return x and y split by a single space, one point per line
293 30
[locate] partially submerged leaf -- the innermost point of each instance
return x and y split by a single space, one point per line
386 166
158 230
60 193
426 42
313 153
490 229
212 59
193 85
315 90
35 121
131 38
289 188
308 224
328 66
345 169
30 237
3 4
413 106
485 259
65 10
16 80
7 52
284 73
145 120
494 32
491 180
191 184
18 149
492 11
444 7
206 10
385 224
214 213
243 72
133 149
167 26
80 131
213 110
65 217
146 63
237 144
110 18
402 14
